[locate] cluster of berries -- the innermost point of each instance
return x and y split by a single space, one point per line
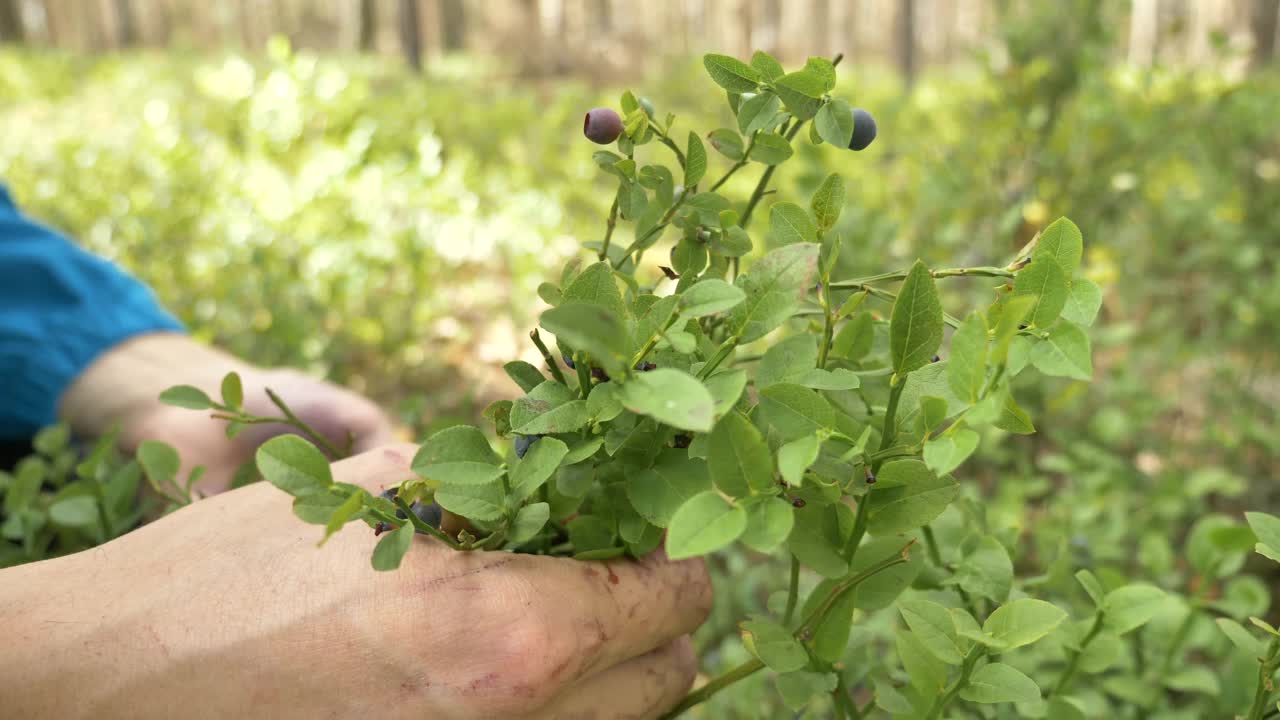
603 126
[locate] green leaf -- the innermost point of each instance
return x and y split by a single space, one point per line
882 589
695 160
932 625
731 73
768 67
775 646
838 379
795 411
791 223
76 511
816 541
770 149
1014 312
186 396
725 388
459 455
726 142
1064 353
915 327
1061 242
999 683
1084 299
1267 528
755 113
474 502
801 92
827 201
1130 607
537 466
927 673
160 461
592 329
590 533
831 635
947 451
795 457
769 524
1092 586
709 297
317 508
390 550
596 286
738 457
525 375
787 360
551 408
294 465
232 390
1240 637
824 69
672 397
799 688
705 523
1045 281
907 495
987 570
1014 419
1023 621
835 123
855 337
775 287
657 492
1195 678
341 514
967 365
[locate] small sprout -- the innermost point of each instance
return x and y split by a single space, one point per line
864 130
602 126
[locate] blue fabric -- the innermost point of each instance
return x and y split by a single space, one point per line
60 308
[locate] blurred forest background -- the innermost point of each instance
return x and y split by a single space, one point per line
374 189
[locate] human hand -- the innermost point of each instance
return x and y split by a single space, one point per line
226 609
124 385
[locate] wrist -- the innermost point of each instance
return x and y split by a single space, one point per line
124 384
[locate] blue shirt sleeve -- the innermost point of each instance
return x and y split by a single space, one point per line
60 308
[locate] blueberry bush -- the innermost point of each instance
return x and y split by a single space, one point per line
733 400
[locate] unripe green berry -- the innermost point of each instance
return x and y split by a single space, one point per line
602 125
864 130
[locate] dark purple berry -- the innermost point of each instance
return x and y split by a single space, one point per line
646 366
599 374
524 442
602 126
429 513
936 358
568 361
864 130
681 440
797 502
380 528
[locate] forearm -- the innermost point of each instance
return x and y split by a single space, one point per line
123 385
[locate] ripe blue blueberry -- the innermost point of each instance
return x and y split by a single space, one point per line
568 361
864 130
524 442
429 513
602 126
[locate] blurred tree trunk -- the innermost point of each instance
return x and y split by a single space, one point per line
11 29
126 30
604 16
1264 15
907 42
411 34
453 24
368 24
1143 26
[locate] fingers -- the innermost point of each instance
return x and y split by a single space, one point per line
643 687
621 609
